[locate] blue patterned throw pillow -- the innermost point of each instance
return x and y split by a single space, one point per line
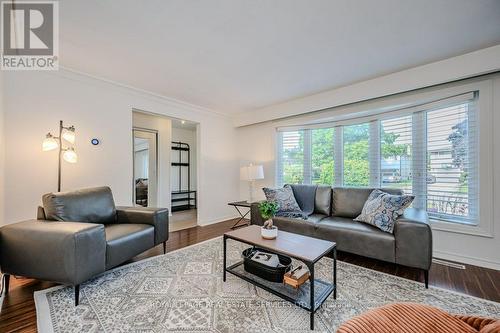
382 209
288 206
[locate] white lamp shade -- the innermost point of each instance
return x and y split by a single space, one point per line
49 143
252 172
70 156
68 135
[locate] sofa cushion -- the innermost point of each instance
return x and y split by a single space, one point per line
305 196
297 226
323 200
357 237
124 241
93 205
382 209
315 218
349 202
288 206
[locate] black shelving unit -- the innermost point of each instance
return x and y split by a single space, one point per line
185 196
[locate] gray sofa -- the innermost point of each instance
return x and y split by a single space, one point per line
332 219
78 235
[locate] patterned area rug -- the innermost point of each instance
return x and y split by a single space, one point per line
183 291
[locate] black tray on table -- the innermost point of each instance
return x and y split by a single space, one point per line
273 274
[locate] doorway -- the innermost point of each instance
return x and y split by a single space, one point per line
145 167
183 174
165 166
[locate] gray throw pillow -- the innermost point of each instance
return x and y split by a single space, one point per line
382 209
288 206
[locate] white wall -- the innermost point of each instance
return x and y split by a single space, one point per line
188 136
36 101
163 126
257 145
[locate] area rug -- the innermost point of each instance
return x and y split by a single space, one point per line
183 291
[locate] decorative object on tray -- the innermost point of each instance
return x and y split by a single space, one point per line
285 198
267 265
296 277
267 210
382 209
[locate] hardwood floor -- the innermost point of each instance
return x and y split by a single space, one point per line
18 311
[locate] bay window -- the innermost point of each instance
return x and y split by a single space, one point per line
429 151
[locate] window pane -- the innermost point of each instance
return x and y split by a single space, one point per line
356 165
448 162
395 153
322 156
293 157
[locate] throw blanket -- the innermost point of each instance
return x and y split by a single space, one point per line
294 215
305 196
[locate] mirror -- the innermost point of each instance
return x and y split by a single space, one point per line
145 174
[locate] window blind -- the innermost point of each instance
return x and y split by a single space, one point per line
396 153
322 159
356 164
291 158
449 163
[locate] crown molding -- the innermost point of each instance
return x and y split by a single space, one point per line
73 74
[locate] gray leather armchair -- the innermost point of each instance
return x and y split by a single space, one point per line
78 235
332 219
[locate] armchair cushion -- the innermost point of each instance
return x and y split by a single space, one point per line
92 205
124 241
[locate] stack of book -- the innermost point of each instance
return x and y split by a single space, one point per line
296 277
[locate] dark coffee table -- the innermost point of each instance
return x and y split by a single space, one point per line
312 294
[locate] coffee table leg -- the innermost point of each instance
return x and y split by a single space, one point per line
335 272
224 262
311 291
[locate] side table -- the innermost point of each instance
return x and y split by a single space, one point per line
237 205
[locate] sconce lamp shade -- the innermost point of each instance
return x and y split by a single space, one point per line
68 134
49 143
70 156
252 172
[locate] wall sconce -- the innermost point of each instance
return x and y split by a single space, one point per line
52 142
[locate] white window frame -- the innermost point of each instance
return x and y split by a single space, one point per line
409 103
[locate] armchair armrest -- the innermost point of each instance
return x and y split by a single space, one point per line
413 236
64 252
157 217
255 217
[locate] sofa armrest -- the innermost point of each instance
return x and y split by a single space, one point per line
64 252
413 236
157 217
255 217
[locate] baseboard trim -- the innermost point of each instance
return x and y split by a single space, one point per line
467 260
217 220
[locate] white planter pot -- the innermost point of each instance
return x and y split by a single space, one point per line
269 233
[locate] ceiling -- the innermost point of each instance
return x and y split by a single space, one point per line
240 55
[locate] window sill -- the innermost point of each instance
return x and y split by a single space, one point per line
460 228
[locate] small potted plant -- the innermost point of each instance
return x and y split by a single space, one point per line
267 210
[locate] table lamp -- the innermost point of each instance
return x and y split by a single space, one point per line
251 173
